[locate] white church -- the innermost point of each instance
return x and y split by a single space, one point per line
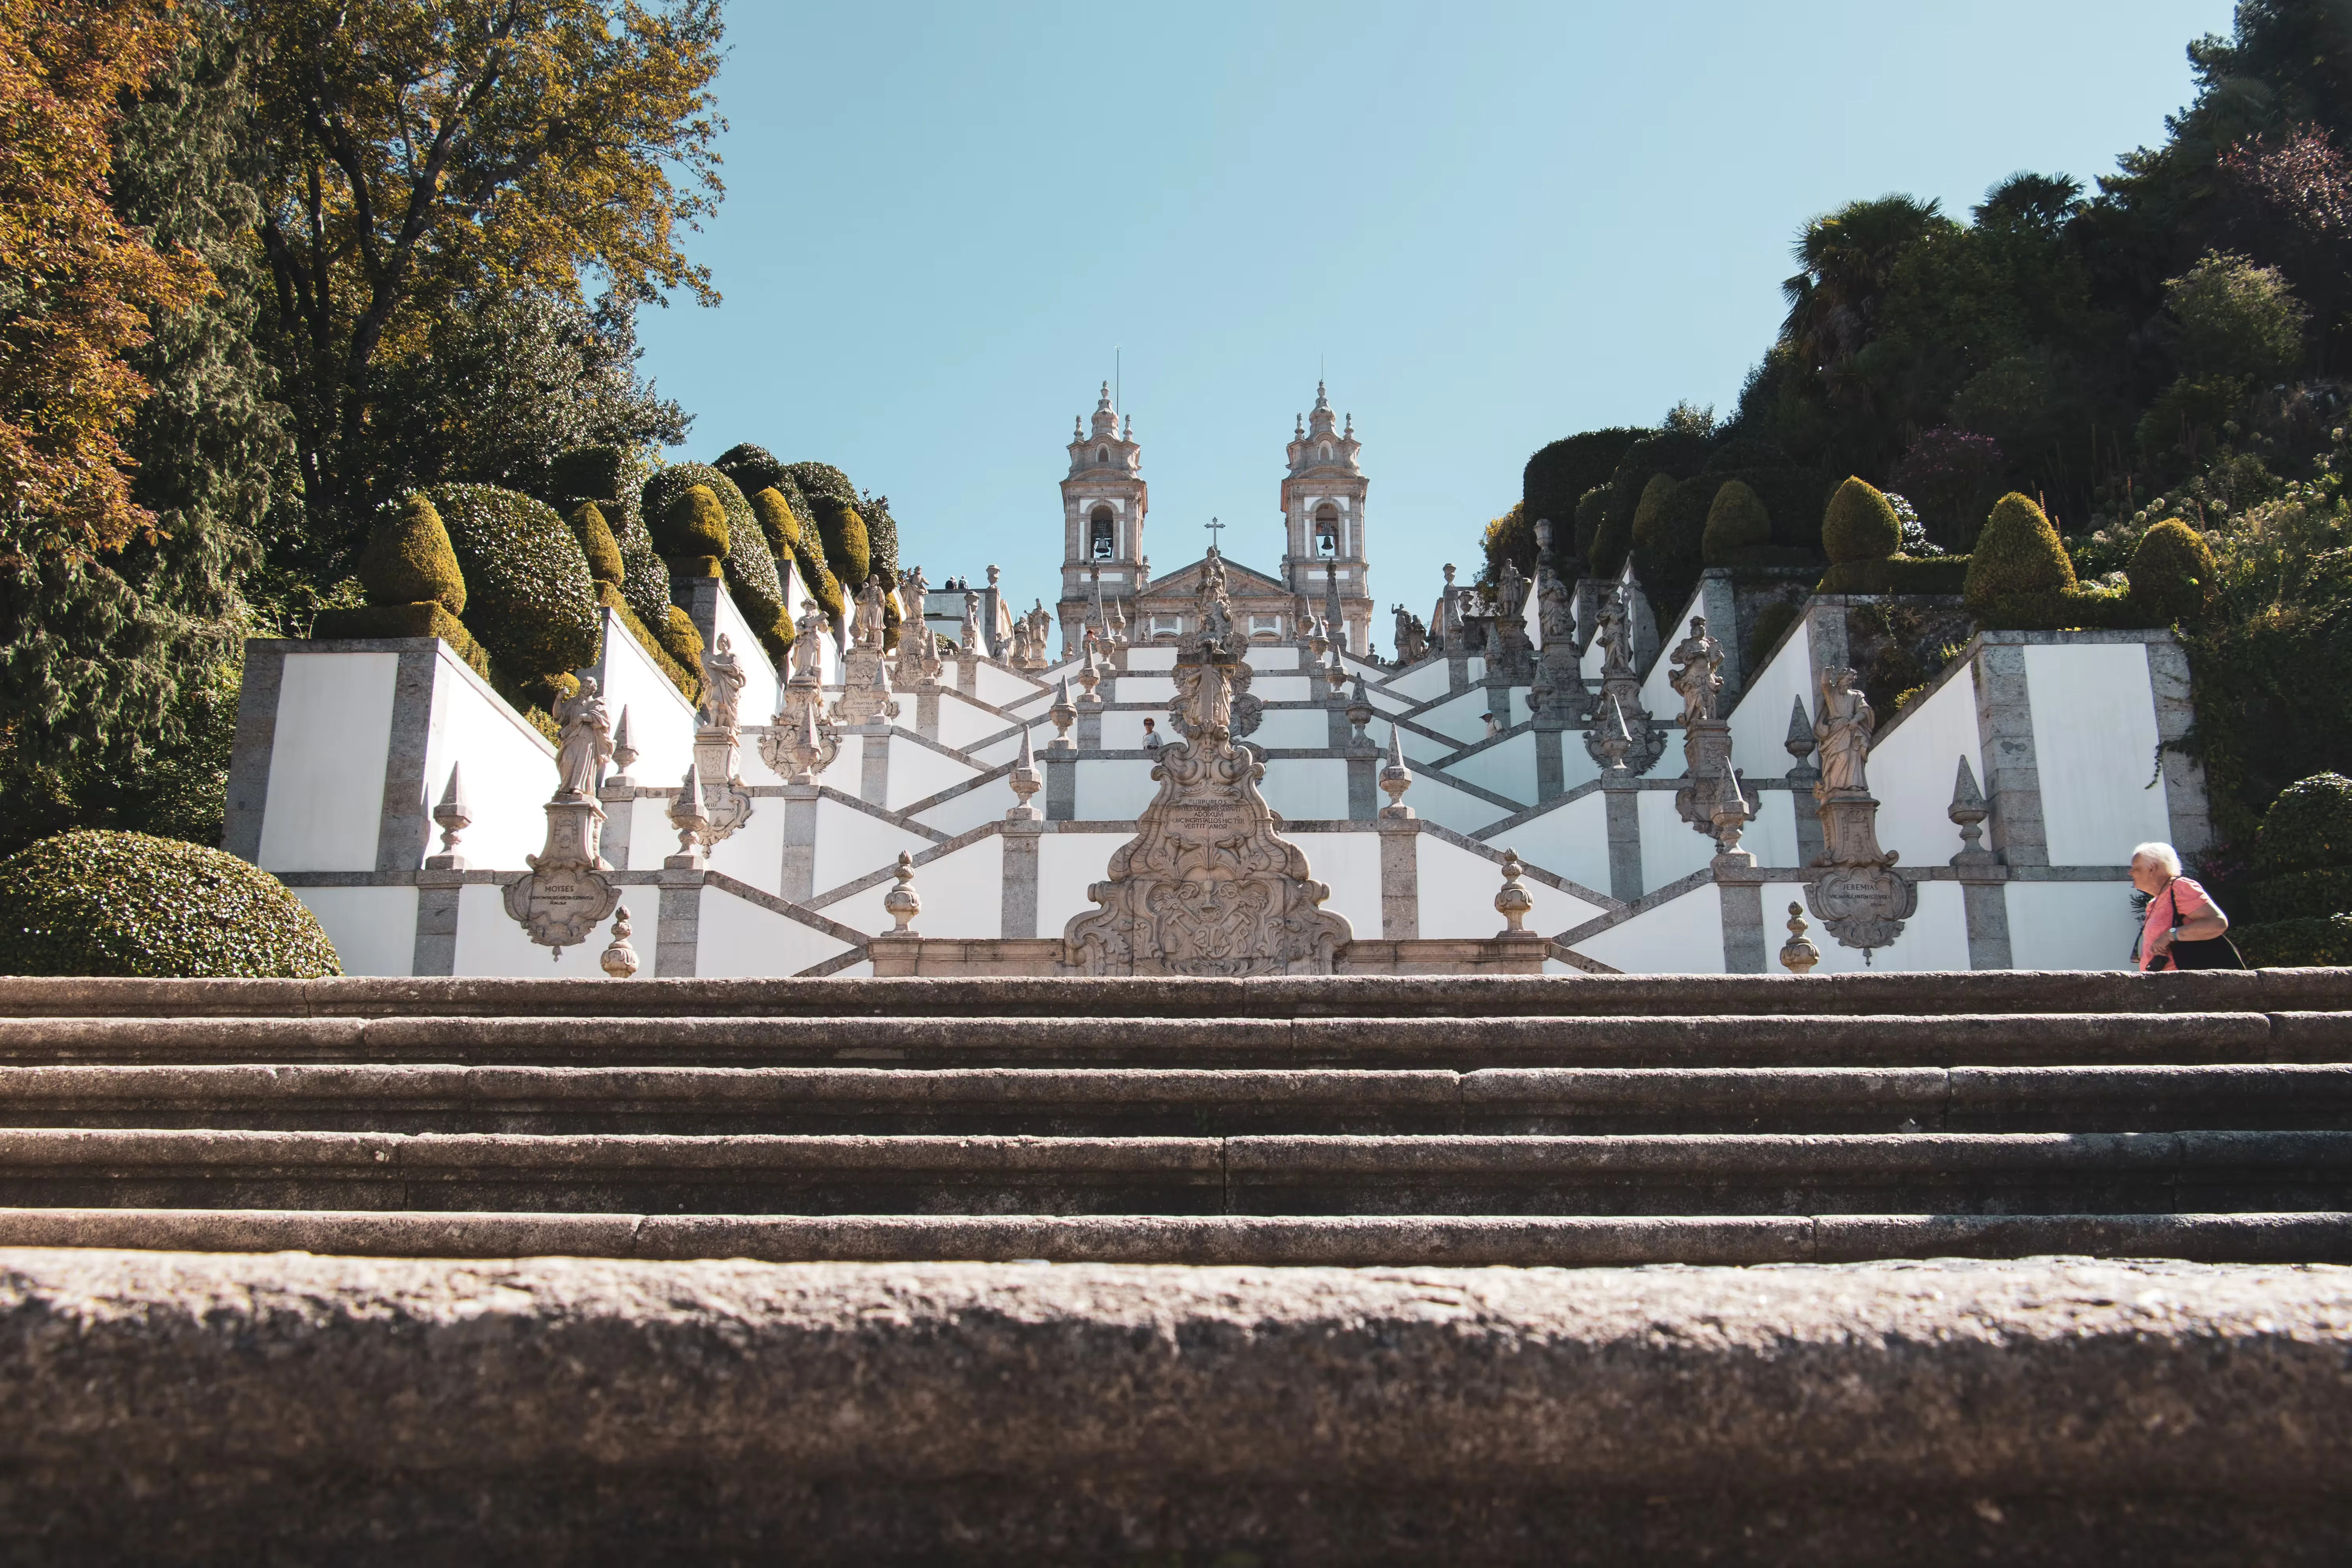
1542 784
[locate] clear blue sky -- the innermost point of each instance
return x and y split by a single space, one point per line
1494 224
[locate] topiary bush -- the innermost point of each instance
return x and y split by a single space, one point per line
808 554
2172 574
2020 577
91 902
1736 521
1677 454
600 549
2295 908
750 570
408 559
614 478
1558 478
1861 524
530 601
1617 539
1591 508
831 504
753 468
1670 559
691 530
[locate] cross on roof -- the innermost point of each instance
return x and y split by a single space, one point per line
1212 525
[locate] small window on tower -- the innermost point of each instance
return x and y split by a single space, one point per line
1326 530
1102 542
1327 454
1102 454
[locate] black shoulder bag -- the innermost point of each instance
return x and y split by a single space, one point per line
2211 953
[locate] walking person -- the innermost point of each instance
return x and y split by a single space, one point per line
2184 928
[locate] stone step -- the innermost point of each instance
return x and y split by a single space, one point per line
1690 1173
1276 1241
1358 996
1084 1039
1155 1101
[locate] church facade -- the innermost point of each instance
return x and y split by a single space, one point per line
1323 571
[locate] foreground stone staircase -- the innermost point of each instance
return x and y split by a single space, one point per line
1357 1120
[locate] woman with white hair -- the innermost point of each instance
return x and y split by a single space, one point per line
2185 929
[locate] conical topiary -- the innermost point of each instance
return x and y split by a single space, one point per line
693 526
597 543
2018 556
408 558
1735 520
1861 524
2172 574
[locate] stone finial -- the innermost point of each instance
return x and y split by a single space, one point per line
1800 740
1968 811
1514 902
1543 537
690 817
1616 742
624 752
1335 674
992 574
1798 956
454 816
1063 713
620 960
1027 781
1396 778
1359 714
1730 813
903 902
1089 676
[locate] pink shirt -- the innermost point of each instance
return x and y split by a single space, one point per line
2181 894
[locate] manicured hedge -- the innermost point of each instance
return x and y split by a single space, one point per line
2020 579
1622 530
2316 942
833 505
529 599
751 570
1939 574
408 560
1861 524
1675 453
808 552
597 544
1560 475
1670 559
2309 825
692 531
2172 574
91 902
425 620
1736 521
1591 512
2295 908
753 468
614 478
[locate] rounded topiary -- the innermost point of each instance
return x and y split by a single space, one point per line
1735 520
832 507
91 902
753 468
777 521
1624 531
2172 573
597 543
409 561
2310 825
1671 558
1861 524
531 601
817 578
1591 510
2018 557
693 525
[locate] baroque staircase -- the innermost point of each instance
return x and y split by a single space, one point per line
1353 1121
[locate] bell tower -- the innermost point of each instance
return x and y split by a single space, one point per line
1323 513
1103 503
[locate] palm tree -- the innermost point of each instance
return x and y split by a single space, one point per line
1847 258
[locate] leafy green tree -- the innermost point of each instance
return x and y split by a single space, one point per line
419 160
2236 318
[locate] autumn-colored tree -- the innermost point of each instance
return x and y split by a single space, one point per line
423 158
75 281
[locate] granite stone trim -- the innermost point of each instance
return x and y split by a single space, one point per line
1743 927
2185 798
1623 808
1400 879
404 825
874 766
677 937
2005 736
1017 916
797 877
1985 906
257 734
1061 785
436 948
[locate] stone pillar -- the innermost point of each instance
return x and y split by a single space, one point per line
1985 904
1400 879
1621 799
968 672
1719 603
2005 736
927 710
1825 639
873 764
1019 916
403 822
698 597
797 881
1742 895
2184 777
678 932
1551 768
436 949
1089 726
1061 785
620 806
1363 784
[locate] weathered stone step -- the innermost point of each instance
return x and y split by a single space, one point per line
1299 1174
1612 1040
1154 1102
1281 1241
170 1407
1358 996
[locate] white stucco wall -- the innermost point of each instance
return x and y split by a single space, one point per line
997 685
1771 837
1139 658
967 809
753 853
2094 741
1936 938
1283 729
1067 864
327 760
849 844
962 721
1671 847
1351 864
919 772
1759 724
1458 888
2070 926
760 686
738 939
509 767
1111 787
661 720
962 894
1682 936
373 929
492 942
1458 715
1306 789
1423 681
1508 767
1913 770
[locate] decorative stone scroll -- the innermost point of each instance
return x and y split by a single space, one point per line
565 895
1207 887
1859 900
